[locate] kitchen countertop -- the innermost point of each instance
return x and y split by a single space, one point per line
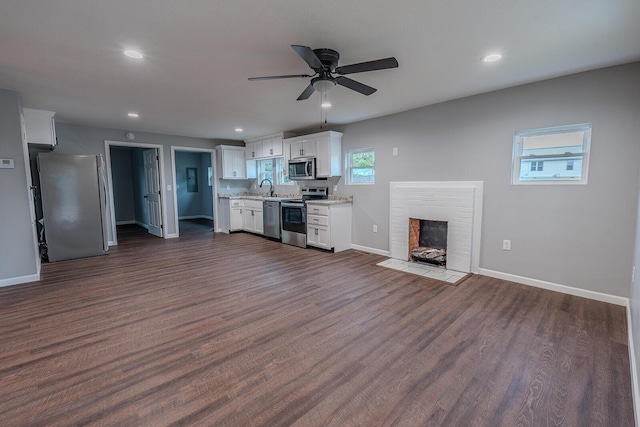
325 202
329 202
275 199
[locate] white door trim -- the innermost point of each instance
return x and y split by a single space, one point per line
214 181
112 213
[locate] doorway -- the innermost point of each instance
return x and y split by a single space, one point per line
193 172
134 177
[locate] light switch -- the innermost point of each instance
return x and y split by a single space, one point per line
168 187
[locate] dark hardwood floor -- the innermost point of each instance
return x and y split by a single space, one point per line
237 330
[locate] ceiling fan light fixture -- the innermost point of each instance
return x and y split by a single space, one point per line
323 85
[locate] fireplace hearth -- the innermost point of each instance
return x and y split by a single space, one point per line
428 241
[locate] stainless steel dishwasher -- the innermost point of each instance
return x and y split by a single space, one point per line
271 218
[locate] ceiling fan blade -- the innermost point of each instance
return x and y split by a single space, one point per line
307 93
290 76
308 55
354 85
378 64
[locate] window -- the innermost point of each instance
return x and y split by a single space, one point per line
280 175
536 166
265 170
556 155
361 166
273 170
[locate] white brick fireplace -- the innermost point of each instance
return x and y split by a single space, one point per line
457 202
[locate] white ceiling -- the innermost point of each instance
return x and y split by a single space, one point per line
66 56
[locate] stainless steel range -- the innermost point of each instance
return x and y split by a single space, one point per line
294 216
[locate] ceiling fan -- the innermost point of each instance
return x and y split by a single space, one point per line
324 62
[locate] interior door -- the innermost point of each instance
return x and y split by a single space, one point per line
152 180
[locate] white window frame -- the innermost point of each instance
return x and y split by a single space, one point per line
348 166
278 171
518 144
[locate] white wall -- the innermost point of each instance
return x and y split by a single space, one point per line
577 235
18 262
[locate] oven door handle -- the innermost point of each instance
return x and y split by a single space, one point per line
304 215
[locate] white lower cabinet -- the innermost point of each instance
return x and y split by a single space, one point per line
235 215
253 217
329 227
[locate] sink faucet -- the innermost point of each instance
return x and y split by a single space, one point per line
270 186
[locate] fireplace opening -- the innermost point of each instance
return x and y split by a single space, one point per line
428 242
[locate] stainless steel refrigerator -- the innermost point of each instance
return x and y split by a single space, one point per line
72 189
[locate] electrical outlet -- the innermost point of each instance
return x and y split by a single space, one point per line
395 151
506 245
375 228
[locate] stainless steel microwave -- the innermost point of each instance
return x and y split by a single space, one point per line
302 168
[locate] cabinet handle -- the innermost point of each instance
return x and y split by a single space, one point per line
240 210
271 151
301 152
252 212
316 231
315 219
253 154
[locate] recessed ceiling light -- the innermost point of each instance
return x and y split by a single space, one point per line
134 115
239 129
493 57
133 54
325 105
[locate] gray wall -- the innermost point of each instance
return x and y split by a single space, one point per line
139 186
206 190
122 184
191 203
17 246
79 139
575 235
634 300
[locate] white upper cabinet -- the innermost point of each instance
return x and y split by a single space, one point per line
326 147
40 127
232 161
265 147
305 147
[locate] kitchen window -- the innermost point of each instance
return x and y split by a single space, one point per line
273 170
555 155
361 166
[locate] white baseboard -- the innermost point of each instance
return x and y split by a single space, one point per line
635 389
171 236
18 280
598 296
370 250
143 225
133 221
195 217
